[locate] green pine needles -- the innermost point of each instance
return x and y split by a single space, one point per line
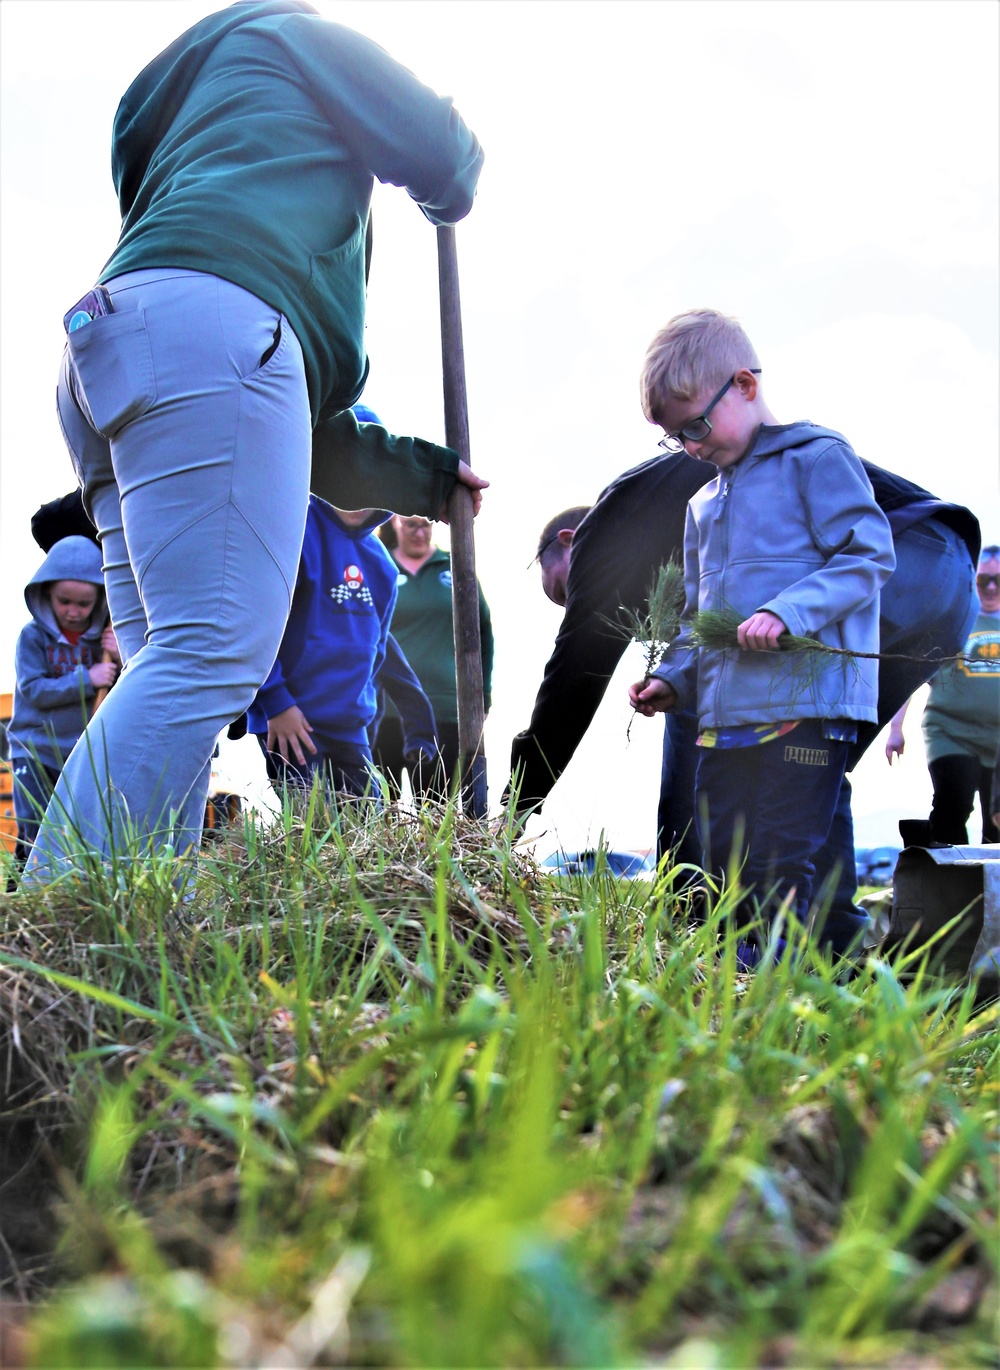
659 625
717 629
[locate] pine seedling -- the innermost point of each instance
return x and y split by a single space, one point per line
717 629
659 625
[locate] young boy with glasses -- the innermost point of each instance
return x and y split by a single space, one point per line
789 536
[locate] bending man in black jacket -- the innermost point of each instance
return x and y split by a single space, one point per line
609 563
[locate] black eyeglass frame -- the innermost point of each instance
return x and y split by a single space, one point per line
542 550
674 442
984 579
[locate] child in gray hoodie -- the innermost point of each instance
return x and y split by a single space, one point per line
788 536
59 670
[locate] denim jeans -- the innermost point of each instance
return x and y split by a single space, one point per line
767 810
194 461
33 786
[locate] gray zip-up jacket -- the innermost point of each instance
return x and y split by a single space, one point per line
52 675
792 528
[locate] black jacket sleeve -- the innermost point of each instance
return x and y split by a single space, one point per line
636 525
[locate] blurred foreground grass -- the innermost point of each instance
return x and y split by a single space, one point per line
376 1092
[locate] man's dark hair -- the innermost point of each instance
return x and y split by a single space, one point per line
569 518
62 518
989 553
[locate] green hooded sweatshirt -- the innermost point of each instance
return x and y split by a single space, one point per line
247 150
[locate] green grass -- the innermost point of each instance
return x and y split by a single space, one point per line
378 1092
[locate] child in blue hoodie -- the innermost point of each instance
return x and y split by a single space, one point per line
58 670
313 713
789 535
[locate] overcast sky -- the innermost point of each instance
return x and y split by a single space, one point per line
825 171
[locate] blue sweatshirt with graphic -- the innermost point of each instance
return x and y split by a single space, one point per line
335 639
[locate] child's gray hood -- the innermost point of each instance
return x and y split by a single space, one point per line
72 558
780 437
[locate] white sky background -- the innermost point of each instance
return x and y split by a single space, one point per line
826 171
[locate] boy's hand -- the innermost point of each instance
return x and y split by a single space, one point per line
652 696
288 732
103 674
760 632
109 643
476 484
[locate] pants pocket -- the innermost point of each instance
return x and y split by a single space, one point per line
112 366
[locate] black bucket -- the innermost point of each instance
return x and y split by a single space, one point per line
932 886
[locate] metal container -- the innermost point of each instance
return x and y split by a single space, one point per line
933 886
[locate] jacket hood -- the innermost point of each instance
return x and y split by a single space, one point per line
150 105
72 558
779 437
375 519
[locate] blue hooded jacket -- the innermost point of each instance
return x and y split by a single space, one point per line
53 686
792 528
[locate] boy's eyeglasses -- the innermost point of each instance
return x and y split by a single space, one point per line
696 430
985 582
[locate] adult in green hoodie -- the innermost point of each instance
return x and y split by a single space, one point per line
207 379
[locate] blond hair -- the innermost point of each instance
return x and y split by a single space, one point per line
696 351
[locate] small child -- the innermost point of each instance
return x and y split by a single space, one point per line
789 536
313 712
58 672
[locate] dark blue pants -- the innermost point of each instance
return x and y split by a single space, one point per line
429 780
769 809
676 829
33 786
345 768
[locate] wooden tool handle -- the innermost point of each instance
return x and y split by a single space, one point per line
102 693
465 592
